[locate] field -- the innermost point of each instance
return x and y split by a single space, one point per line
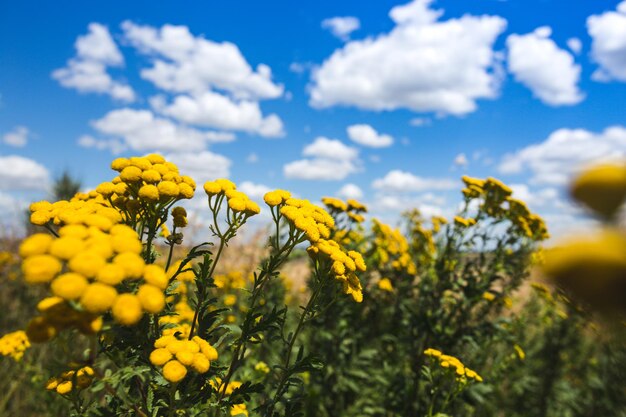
110 308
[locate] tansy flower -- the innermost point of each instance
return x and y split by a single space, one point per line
174 371
127 309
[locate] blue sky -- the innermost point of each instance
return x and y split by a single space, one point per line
528 91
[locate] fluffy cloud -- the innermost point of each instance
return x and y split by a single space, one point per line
575 45
608 46
461 160
548 71
402 181
87 71
323 147
19 173
341 27
366 135
141 130
330 159
565 151
422 64
252 190
115 146
184 63
218 111
350 191
18 137
201 166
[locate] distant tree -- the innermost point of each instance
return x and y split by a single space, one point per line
65 186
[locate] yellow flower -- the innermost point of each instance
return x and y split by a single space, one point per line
385 285
69 286
239 410
273 198
601 188
119 164
174 371
64 387
132 264
168 189
151 176
185 191
40 268
126 243
155 275
489 296
520 352
212 188
160 356
36 244
87 263
200 363
130 174
151 298
127 309
262 367
149 192
66 247
98 297
40 218
111 274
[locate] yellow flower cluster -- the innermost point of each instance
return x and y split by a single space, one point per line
343 265
179 214
311 221
352 208
176 356
69 380
602 188
385 284
450 362
392 248
437 222
422 241
592 266
236 409
87 267
498 202
144 182
90 209
238 202
14 344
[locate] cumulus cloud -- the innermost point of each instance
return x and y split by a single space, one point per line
423 64
87 71
402 181
184 63
19 173
608 46
461 160
215 110
141 130
201 166
329 159
341 27
565 151
253 190
575 45
350 191
17 137
115 146
366 135
548 71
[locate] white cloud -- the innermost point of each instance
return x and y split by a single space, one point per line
87 72
319 169
252 158
420 121
565 151
218 111
19 173
201 166
548 71
341 27
402 181
608 46
252 190
575 45
184 63
18 137
422 64
333 149
115 146
461 160
330 160
366 135
350 191
141 130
